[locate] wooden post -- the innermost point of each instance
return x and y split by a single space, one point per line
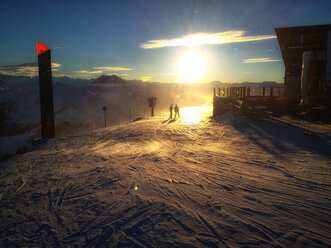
263 91
130 114
249 91
45 91
271 94
214 92
104 112
152 103
219 91
105 119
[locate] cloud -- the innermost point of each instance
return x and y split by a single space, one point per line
165 74
109 68
198 39
60 75
169 74
103 69
145 78
28 69
89 72
85 76
260 60
55 65
118 74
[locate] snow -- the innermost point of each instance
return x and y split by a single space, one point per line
190 182
10 144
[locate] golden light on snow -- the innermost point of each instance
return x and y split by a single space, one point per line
194 115
192 67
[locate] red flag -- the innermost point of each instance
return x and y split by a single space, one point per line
41 48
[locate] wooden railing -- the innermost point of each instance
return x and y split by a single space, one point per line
240 93
234 92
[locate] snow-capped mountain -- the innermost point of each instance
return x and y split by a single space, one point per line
110 80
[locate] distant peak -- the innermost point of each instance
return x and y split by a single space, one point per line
106 79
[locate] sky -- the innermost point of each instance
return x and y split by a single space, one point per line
153 40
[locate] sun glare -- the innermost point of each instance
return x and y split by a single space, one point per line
192 67
194 115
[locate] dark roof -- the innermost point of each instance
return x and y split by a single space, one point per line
293 41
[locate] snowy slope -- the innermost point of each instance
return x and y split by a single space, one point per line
192 182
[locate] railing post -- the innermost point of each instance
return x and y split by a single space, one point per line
271 94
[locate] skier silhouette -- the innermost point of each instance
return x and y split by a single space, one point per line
170 110
177 111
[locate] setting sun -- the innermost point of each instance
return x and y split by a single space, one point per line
192 67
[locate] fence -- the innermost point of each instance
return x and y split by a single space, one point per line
226 98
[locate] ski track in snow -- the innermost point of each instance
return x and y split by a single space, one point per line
223 183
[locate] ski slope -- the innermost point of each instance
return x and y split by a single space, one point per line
155 182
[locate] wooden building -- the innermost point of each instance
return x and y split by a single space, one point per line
306 53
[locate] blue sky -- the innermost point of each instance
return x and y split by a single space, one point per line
92 38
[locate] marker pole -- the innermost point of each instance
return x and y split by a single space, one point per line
45 91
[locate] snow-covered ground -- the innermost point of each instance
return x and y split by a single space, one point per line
191 182
10 144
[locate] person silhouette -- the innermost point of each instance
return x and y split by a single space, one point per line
170 110
177 111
